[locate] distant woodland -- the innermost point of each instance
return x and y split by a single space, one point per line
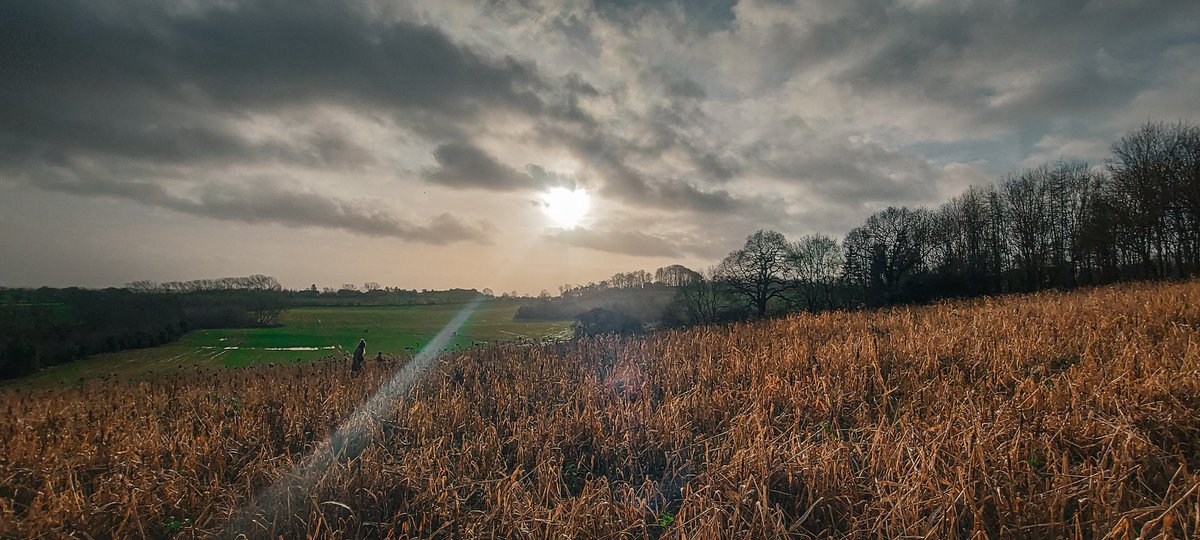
1056 226
44 327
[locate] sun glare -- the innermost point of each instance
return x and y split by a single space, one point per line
566 207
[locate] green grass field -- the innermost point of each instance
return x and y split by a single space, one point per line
306 334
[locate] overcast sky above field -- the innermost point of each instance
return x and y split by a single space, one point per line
409 143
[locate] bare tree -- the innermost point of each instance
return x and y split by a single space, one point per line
1029 216
630 280
887 253
639 278
142 286
968 229
817 263
1156 183
760 271
675 275
703 297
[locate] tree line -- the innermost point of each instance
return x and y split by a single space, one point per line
47 326
372 294
1060 225
632 298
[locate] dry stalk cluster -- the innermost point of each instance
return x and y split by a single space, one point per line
1064 415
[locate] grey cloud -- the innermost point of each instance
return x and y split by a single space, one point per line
676 85
1077 89
151 91
703 15
847 174
611 158
165 85
576 30
578 86
684 88
682 193
678 121
149 82
462 165
265 53
714 165
633 187
680 124
674 109
623 12
963 56
267 203
543 178
325 149
202 142
623 242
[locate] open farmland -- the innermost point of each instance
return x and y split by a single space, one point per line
306 334
1070 415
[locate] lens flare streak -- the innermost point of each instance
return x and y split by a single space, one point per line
352 436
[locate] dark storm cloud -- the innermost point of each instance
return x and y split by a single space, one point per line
144 82
462 165
677 108
1011 63
151 91
167 86
622 242
466 166
264 202
1078 89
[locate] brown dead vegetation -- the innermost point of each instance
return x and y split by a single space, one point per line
1052 415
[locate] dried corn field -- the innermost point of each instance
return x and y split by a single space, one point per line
1054 415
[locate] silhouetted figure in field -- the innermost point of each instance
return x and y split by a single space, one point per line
357 365
379 356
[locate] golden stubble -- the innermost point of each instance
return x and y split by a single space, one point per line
1071 415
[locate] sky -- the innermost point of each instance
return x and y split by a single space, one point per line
412 143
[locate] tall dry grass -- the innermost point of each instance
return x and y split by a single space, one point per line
1053 415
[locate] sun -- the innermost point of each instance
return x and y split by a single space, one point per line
566 207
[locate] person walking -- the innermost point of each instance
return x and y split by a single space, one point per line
359 352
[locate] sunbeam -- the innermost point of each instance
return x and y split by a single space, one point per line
352 436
